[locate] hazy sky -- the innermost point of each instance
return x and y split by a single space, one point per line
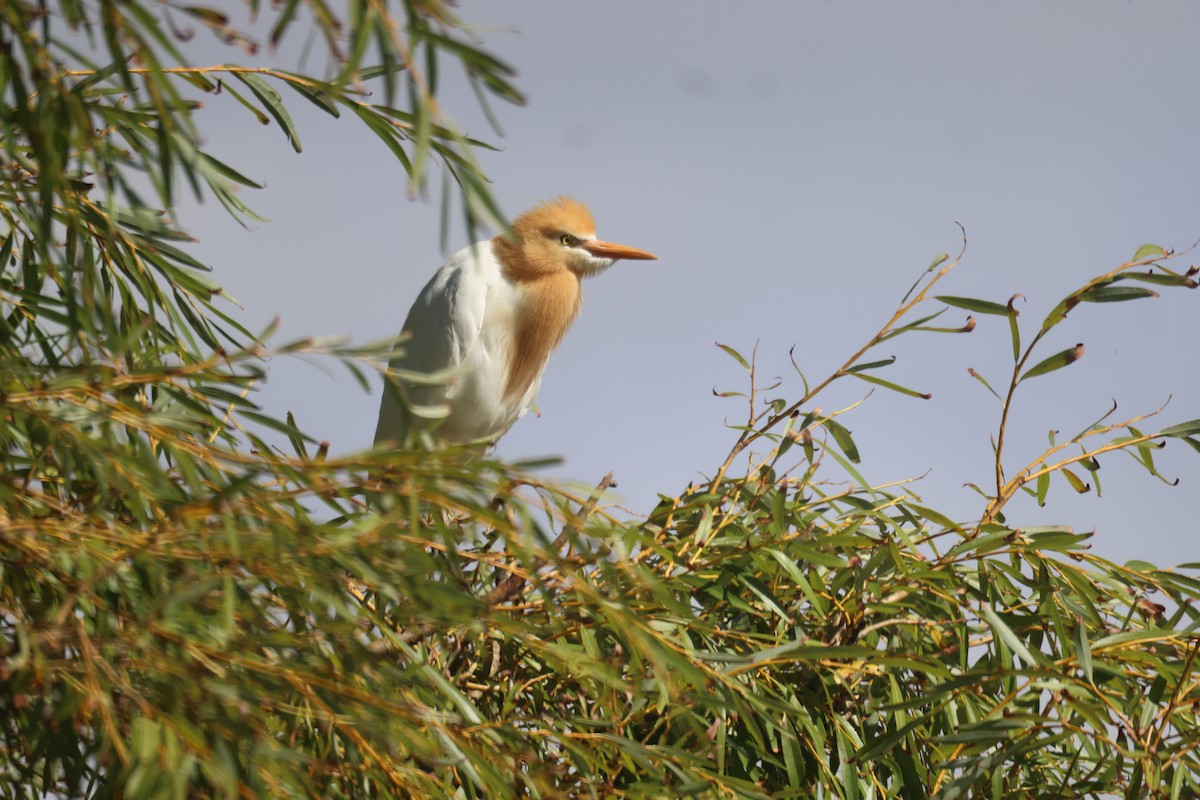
795 165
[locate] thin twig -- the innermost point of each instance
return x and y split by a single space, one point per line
749 436
573 526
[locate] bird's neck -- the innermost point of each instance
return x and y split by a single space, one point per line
549 304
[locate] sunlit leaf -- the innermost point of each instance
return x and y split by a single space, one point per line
1076 482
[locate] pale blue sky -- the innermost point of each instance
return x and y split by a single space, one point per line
795 166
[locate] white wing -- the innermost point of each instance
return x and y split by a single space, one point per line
444 324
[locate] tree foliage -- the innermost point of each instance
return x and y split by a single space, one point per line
188 611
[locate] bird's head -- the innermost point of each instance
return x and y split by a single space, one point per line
560 235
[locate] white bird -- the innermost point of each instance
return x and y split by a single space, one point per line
489 318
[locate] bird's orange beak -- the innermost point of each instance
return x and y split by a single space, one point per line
615 251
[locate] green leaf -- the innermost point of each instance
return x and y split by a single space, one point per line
985 731
895 387
1131 637
1057 539
320 99
971 371
1148 251
481 204
421 136
273 102
843 439
295 438
1055 362
887 362
735 354
1143 452
938 260
386 133
978 306
919 325
1006 635
285 428
1076 482
1164 278
1083 650
370 73
983 543
1182 429
209 164
6 251
249 106
1014 329
283 20
935 517
1115 294
1059 313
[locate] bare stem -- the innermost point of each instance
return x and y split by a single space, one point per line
748 437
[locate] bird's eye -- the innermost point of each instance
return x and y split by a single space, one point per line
567 240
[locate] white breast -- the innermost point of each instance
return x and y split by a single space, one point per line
463 321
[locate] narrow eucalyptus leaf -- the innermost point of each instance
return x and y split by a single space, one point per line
1159 278
273 102
971 371
1055 362
318 98
1182 429
895 387
1014 331
973 304
887 362
735 355
1083 650
1006 634
1115 294
843 439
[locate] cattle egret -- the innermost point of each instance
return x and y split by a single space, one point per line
488 321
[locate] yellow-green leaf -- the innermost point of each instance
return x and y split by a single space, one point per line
1076 482
1148 251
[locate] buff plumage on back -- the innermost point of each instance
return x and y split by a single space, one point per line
553 295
